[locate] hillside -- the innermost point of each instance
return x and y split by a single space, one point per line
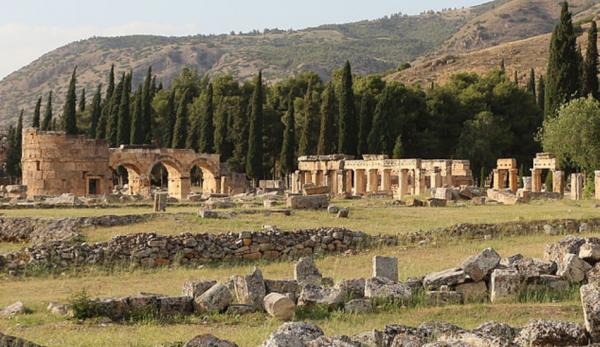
436 43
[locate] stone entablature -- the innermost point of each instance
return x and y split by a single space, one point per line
379 174
547 161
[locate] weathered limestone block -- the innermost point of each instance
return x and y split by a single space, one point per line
333 209
373 338
216 299
358 306
557 251
541 333
279 306
473 292
293 334
174 306
505 285
532 267
590 301
572 268
250 289
313 294
590 251
355 288
547 283
503 331
343 213
13 310
414 202
240 309
383 288
207 340
59 309
338 341
207 213
433 202
160 202
445 193
311 202
290 288
480 265
305 271
386 267
443 297
11 341
449 277
196 288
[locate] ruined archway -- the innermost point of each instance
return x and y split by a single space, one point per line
178 184
209 175
131 175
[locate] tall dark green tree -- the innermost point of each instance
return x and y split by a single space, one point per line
103 122
137 119
207 128
169 120
327 141
287 159
13 156
380 137
113 116
531 83
590 64
69 116
95 112
364 124
348 129
35 121
223 117
541 93
310 128
181 123
124 116
82 101
254 158
562 77
195 120
147 95
398 151
47 121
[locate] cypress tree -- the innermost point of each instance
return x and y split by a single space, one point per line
96 112
287 158
13 157
104 121
170 117
541 93
254 158
502 67
195 119
365 120
124 117
207 128
137 119
110 88
113 116
222 119
531 83
82 101
35 122
147 95
180 128
590 65
398 151
327 141
347 141
562 77
47 121
380 138
308 142
69 116
19 135
516 78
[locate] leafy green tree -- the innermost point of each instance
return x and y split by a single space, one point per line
82 101
365 119
254 159
207 128
590 64
124 116
531 83
47 121
287 160
69 116
573 134
562 77
96 112
146 109
137 136
397 153
35 122
348 129
181 123
327 135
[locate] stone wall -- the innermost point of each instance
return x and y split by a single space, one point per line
150 249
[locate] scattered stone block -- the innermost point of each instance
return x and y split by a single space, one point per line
557 251
533 267
289 288
311 202
473 292
590 301
207 214
443 297
433 202
313 294
315 190
572 268
355 288
207 340
332 209
386 267
305 271
505 285
293 334
250 289
13 310
444 193
552 333
448 277
358 306
175 306
59 309
383 288
214 300
196 288
480 265
343 213
160 202
279 306
414 202
590 251
240 309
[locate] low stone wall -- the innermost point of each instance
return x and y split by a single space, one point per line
41 230
150 249
11 341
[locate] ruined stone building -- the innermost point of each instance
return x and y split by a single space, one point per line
54 163
378 174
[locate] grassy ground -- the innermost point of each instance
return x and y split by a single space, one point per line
250 330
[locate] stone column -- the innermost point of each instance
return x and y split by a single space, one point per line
576 186
225 184
403 182
359 181
419 182
499 177
386 182
513 180
315 177
372 180
597 185
179 187
448 176
347 181
536 180
307 178
527 183
558 182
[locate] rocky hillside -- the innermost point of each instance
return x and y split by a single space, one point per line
372 46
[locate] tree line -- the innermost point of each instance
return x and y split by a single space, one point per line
261 129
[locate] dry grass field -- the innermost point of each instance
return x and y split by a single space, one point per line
372 216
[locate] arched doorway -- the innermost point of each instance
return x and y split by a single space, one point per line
196 180
204 178
166 175
120 179
128 179
159 178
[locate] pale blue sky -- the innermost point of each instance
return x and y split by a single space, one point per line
30 28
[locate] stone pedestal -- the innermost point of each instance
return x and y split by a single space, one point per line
359 182
536 180
558 182
577 186
513 180
386 267
526 183
403 183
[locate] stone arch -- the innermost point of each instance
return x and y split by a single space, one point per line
210 175
179 180
138 181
